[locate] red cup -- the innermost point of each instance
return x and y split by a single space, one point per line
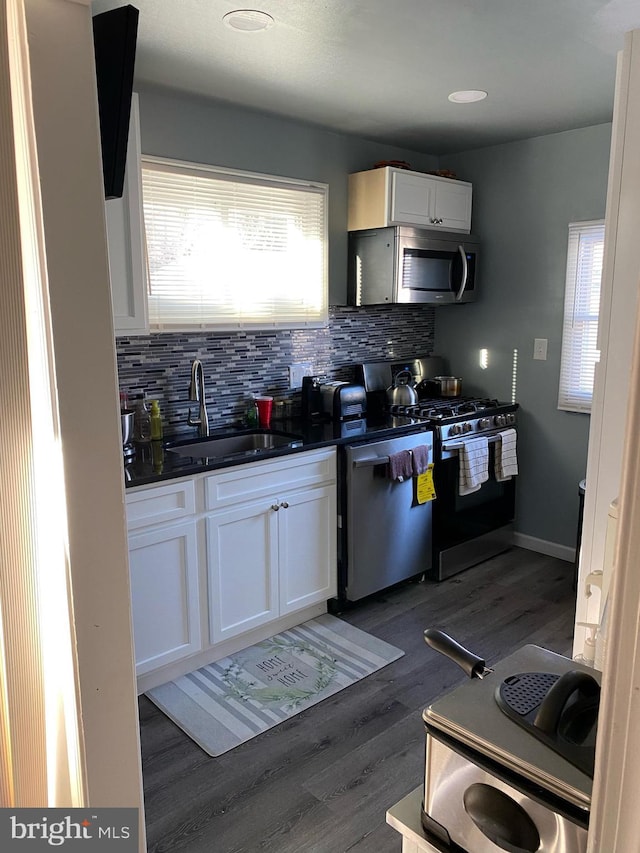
264 404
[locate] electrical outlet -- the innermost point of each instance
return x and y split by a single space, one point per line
297 372
540 348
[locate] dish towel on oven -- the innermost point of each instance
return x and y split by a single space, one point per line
506 465
400 465
473 468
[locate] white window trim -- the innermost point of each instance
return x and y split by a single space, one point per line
570 397
260 179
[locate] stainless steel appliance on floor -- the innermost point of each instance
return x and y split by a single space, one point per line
490 784
467 528
387 533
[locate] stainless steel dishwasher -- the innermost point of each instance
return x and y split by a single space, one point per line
387 534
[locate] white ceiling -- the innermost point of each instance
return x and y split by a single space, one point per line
382 69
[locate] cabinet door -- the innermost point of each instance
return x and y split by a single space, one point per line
242 556
165 596
453 205
125 241
412 199
307 548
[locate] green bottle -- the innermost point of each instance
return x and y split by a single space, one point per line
156 421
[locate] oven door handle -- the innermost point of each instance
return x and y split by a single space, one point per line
371 461
492 439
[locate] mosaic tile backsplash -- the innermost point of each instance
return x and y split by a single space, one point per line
239 365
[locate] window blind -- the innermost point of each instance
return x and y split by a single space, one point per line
233 250
580 353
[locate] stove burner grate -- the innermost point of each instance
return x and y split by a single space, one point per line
439 408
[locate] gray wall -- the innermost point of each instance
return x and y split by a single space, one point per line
236 138
524 196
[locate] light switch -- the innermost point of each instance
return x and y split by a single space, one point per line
540 348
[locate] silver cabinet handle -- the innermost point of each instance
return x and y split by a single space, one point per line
275 507
284 505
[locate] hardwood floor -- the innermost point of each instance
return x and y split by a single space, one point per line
322 781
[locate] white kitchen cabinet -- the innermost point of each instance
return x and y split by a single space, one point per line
125 242
223 559
307 548
391 196
242 553
274 554
165 599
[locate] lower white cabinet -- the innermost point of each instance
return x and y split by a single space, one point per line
307 548
220 554
273 555
165 599
242 553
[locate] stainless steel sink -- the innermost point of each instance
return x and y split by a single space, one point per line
245 444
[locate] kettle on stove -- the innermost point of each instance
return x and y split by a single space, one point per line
402 393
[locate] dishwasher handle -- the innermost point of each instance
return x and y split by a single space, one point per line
370 461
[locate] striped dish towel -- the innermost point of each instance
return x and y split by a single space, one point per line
473 467
506 465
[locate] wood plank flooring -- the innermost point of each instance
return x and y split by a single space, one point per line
322 781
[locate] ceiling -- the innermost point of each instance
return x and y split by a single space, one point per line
382 69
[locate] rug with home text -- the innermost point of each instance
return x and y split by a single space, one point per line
232 700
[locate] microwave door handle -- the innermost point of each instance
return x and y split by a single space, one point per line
465 273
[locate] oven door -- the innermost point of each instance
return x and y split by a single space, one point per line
468 529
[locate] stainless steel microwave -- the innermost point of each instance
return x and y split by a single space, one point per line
411 266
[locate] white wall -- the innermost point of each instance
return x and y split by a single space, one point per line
61 50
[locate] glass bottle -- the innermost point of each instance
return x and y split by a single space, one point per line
141 421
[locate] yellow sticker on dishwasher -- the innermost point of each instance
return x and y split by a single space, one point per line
425 489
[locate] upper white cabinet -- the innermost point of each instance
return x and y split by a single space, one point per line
390 196
125 241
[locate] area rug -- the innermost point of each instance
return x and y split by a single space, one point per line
232 700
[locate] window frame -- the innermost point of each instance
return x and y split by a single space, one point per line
259 179
577 327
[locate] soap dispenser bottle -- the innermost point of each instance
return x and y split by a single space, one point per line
156 421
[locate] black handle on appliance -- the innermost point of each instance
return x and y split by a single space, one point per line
472 665
550 711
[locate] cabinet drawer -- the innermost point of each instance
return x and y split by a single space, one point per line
271 477
160 504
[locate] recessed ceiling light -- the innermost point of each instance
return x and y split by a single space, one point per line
467 96
248 20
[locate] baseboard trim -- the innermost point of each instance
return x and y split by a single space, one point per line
542 546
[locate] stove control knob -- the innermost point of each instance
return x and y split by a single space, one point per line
511 418
501 420
484 423
467 427
456 429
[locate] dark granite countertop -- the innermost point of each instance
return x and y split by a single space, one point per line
154 462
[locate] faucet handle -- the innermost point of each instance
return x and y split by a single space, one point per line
193 422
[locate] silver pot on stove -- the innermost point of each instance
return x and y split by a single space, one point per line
441 386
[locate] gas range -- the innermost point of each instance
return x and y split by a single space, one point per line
460 416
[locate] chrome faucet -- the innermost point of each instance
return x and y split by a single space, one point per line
196 393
